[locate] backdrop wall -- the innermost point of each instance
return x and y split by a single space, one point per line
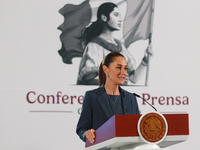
32 71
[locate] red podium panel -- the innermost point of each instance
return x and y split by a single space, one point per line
121 130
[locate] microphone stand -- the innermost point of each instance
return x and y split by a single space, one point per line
144 100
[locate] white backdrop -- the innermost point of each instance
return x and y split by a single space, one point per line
29 61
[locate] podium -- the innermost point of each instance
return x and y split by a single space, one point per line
124 132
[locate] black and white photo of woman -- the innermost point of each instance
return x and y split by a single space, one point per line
98 40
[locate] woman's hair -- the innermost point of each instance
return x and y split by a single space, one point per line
96 28
108 59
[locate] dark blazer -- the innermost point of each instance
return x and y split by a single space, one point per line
96 109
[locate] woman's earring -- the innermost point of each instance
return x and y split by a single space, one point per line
108 75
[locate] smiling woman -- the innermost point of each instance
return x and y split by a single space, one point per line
114 66
109 99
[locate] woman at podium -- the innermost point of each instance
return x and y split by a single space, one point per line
109 99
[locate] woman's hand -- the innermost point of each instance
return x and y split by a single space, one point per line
148 52
136 74
91 135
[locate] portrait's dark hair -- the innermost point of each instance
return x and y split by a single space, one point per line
96 28
108 59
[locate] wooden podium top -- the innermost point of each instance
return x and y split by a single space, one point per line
126 126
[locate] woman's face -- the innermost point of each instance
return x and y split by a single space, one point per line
117 70
115 19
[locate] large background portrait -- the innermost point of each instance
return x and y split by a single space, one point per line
47 64
94 28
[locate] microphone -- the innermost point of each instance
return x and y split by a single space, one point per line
144 100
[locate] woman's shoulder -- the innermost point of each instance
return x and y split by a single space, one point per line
95 51
94 45
96 91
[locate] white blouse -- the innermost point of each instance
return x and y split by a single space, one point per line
93 56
